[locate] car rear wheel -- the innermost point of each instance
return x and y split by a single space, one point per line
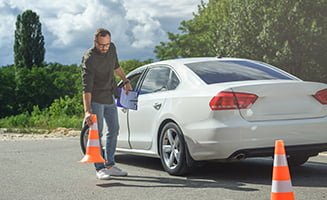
297 160
173 150
84 137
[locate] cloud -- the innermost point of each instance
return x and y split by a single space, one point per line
146 31
73 31
162 9
68 26
7 28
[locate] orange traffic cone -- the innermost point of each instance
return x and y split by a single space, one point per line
281 181
93 151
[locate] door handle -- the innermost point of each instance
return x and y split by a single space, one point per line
157 106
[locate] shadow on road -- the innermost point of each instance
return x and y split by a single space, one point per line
173 182
233 176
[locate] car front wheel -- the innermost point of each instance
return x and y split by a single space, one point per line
173 150
84 137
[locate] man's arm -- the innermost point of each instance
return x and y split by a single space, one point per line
87 107
120 72
88 79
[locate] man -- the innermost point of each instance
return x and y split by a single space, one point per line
99 87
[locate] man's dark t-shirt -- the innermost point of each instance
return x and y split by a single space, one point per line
98 74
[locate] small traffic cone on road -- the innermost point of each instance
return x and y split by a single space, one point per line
281 181
93 151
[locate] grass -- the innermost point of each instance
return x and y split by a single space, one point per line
26 123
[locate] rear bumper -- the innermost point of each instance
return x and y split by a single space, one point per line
212 140
311 149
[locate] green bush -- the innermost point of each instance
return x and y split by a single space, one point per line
39 118
66 106
17 121
64 112
65 121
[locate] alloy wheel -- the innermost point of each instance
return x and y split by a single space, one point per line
171 148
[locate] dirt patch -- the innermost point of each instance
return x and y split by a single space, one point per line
18 134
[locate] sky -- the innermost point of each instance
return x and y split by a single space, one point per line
136 26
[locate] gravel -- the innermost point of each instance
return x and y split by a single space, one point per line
19 134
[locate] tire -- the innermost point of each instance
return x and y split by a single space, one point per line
173 151
297 160
84 137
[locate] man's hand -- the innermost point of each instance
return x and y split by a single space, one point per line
128 87
88 118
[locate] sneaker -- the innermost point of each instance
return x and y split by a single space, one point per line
103 174
115 171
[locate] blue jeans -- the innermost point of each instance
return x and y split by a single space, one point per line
107 113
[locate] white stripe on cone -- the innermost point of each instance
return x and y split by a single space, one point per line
281 186
280 160
94 126
93 143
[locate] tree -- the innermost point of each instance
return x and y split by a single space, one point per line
7 96
295 37
290 34
29 42
129 65
200 36
42 85
33 87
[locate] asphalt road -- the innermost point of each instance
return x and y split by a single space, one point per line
49 169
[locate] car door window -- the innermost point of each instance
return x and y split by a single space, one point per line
155 80
134 79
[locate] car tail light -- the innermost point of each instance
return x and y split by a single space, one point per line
232 100
321 96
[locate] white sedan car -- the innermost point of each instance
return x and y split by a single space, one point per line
198 109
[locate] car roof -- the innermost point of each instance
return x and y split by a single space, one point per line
184 61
